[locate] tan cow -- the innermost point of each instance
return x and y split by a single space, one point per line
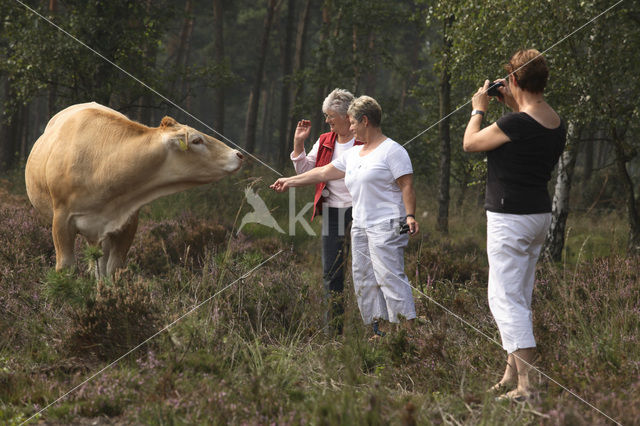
93 168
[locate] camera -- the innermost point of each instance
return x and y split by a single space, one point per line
404 228
493 88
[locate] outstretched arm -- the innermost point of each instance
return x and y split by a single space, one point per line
316 175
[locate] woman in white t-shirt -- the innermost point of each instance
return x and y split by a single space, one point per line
379 177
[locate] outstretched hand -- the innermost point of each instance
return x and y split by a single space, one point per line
280 185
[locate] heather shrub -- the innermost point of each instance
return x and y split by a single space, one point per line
183 240
277 300
23 237
432 261
123 314
601 315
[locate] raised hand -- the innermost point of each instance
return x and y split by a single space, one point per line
302 131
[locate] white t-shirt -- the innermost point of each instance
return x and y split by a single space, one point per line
371 181
335 193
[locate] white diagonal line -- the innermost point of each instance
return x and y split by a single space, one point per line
150 338
147 86
477 330
541 53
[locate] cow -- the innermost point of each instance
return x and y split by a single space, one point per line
92 170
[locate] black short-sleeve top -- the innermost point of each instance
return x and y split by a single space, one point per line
519 171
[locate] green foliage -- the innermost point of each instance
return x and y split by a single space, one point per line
66 287
39 56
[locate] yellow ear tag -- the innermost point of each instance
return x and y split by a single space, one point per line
183 145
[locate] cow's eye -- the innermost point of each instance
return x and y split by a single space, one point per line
197 141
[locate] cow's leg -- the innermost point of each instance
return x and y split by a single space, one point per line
120 244
101 266
64 236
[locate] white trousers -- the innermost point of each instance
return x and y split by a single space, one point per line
513 247
381 286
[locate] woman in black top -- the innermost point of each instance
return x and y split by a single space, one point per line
522 149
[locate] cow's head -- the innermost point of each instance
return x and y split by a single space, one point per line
196 156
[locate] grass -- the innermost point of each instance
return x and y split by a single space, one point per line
256 353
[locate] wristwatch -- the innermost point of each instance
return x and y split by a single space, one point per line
477 111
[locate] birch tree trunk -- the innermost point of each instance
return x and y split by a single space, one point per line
554 242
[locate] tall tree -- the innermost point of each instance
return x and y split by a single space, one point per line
53 9
9 133
554 241
298 63
254 97
624 153
218 54
444 95
285 93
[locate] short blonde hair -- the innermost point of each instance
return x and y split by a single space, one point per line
366 105
338 100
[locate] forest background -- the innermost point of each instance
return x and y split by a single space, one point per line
249 70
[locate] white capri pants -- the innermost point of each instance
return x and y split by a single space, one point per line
513 246
381 286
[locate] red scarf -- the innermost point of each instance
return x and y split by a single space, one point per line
324 157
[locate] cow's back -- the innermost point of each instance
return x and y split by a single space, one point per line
52 148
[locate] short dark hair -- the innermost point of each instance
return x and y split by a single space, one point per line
529 69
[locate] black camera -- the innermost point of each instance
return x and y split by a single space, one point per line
493 88
404 228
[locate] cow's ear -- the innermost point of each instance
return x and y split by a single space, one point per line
167 122
179 139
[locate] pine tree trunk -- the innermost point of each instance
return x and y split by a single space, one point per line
554 242
285 95
588 160
323 61
370 78
24 132
298 60
444 135
254 98
185 51
218 54
9 134
52 92
144 113
622 157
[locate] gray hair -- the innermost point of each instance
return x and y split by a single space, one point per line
366 105
337 101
